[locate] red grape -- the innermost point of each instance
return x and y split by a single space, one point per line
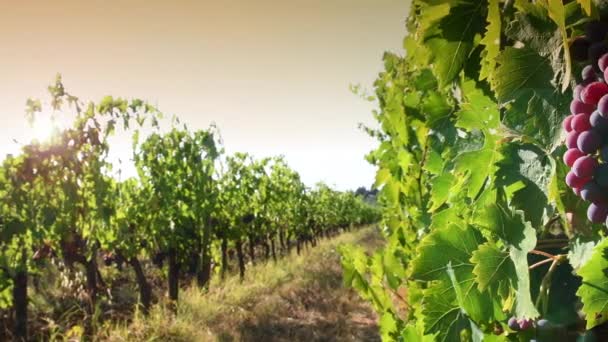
589 142
525 324
576 93
597 212
577 107
577 191
567 123
572 155
571 139
580 122
574 181
603 62
594 92
584 167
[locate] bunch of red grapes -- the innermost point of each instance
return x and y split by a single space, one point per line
587 126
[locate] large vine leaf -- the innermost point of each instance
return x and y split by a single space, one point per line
478 165
449 244
492 266
521 71
441 313
452 39
445 255
594 289
478 111
530 165
528 77
520 238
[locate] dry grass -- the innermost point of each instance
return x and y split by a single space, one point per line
298 298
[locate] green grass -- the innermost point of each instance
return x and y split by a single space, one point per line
296 298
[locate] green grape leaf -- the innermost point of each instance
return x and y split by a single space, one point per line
414 334
524 307
520 71
557 13
445 254
478 111
440 192
452 39
491 41
594 288
441 314
492 266
477 165
580 252
520 238
530 165
449 244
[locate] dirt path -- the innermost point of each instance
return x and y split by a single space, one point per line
311 305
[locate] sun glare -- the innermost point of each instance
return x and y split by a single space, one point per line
43 127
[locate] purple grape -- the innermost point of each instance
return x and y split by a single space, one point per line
578 107
588 74
599 123
592 192
602 106
584 167
589 142
597 212
579 49
571 139
513 324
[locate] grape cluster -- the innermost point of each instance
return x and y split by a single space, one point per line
587 125
543 329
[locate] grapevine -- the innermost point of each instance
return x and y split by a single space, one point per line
60 203
492 172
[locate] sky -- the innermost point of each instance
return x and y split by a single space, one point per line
273 75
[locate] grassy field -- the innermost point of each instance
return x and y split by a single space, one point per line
298 298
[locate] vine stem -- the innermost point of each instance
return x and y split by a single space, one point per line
401 298
543 293
540 263
537 252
